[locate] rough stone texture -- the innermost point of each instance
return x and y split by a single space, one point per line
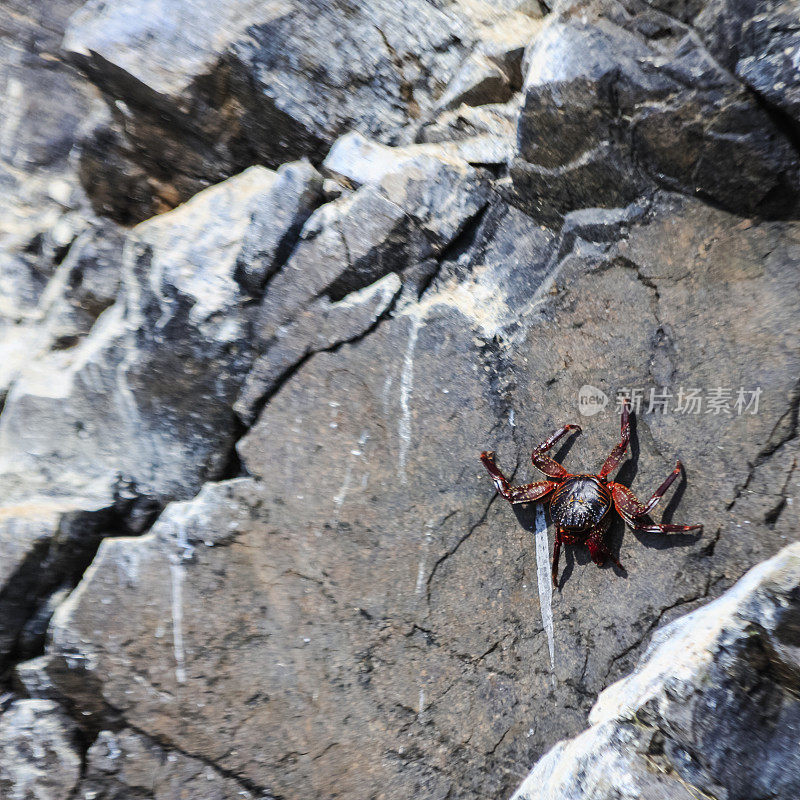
42 210
757 40
39 756
321 326
483 135
406 212
649 104
198 94
161 368
147 356
126 765
711 710
478 82
397 642
265 406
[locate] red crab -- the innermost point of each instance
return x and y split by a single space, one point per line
580 504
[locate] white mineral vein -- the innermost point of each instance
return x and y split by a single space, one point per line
543 580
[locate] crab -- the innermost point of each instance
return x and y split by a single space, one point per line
580 505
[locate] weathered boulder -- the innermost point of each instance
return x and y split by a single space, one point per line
39 754
199 93
711 710
360 615
124 764
648 104
160 368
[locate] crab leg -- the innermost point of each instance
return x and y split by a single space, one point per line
618 453
556 556
598 549
546 464
635 513
528 493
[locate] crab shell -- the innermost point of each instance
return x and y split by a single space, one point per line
580 503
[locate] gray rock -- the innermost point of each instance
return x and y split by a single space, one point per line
467 123
382 607
182 311
39 756
411 205
197 95
711 709
42 210
343 276
769 65
478 136
322 325
161 367
648 103
359 616
502 38
479 81
270 240
756 40
345 246
183 74
83 286
52 311
125 764
165 363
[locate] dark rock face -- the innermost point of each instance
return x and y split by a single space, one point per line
650 105
327 254
756 40
416 650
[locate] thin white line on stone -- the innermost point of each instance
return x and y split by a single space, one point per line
544 582
406 387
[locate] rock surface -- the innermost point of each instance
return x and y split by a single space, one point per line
650 105
433 674
327 254
125 764
39 756
711 710
197 94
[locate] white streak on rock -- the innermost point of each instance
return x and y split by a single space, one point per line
339 498
423 558
406 388
15 111
545 585
176 570
176 573
386 393
125 394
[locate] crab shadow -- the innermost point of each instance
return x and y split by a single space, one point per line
579 554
